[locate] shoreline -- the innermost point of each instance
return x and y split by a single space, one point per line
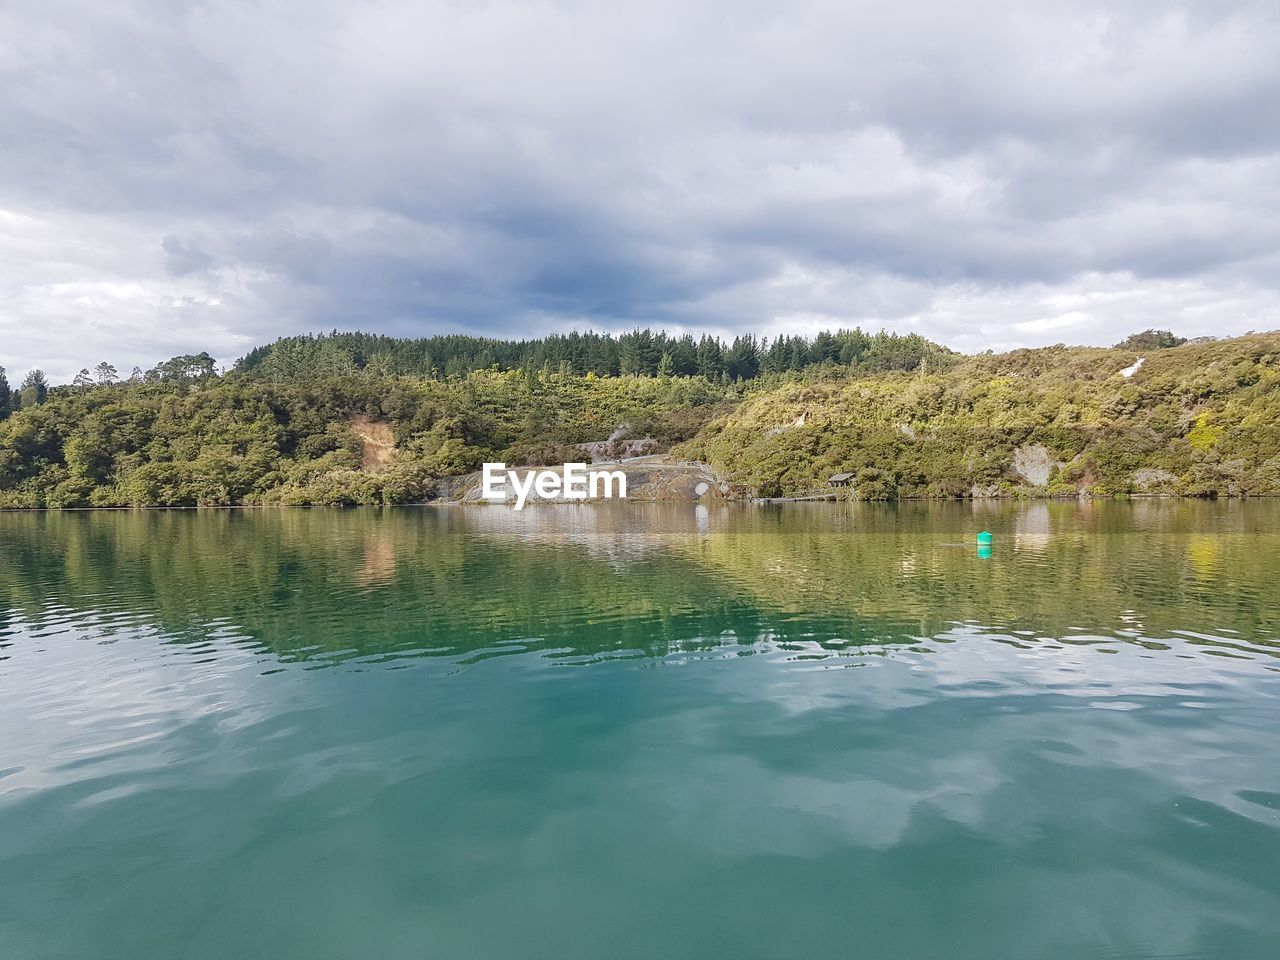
743 501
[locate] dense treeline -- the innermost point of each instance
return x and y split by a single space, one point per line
283 426
639 353
355 418
34 389
235 439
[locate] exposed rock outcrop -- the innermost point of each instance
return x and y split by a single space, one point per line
648 479
377 441
1154 480
1032 462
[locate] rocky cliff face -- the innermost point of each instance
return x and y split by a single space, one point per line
649 479
1032 463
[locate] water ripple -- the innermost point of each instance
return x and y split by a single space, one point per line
333 734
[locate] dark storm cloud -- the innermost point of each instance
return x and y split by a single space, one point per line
182 258
197 176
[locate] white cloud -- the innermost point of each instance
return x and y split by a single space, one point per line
991 175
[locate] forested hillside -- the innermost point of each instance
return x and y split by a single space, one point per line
236 439
356 418
1199 419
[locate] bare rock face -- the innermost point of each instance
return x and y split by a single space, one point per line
1032 463
657 478
620 448
1152 480
377 441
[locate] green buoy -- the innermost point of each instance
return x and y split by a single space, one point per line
984 539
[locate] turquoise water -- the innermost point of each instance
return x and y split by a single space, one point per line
642 731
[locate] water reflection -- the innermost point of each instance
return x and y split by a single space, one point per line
587 581
378 565
542 720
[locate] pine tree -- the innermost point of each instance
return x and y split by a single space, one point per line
710 358
742 361
684 357
35 388
105 373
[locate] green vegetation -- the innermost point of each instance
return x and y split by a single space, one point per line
208 440
639 353
291 423
1200 419
1151 340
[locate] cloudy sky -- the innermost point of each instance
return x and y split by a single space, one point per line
185 176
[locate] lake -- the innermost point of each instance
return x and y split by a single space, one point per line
642 731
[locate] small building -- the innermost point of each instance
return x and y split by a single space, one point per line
840 480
